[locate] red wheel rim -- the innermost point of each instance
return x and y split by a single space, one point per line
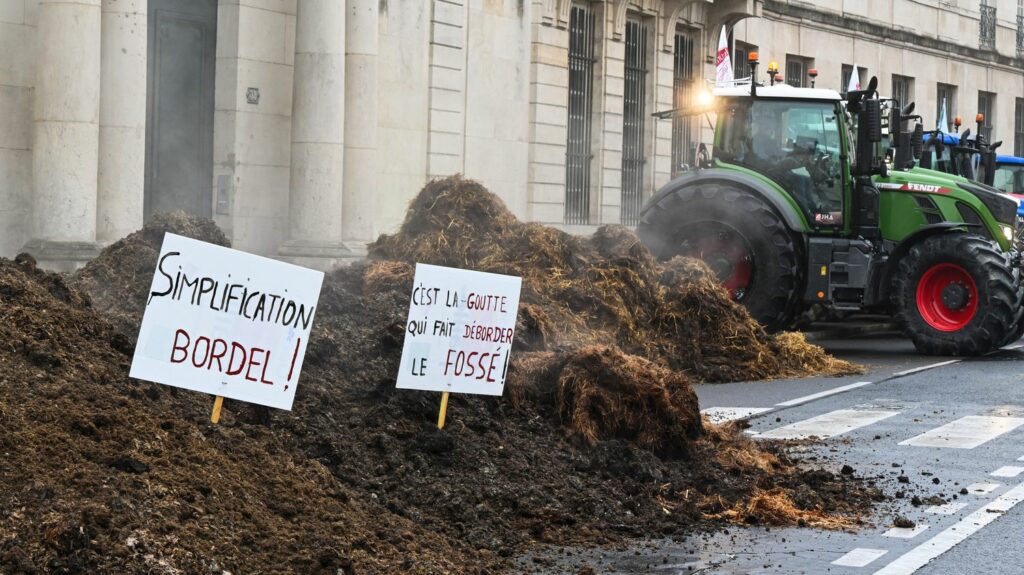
947 297
728 256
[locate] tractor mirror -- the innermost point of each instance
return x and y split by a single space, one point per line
995 145
908 109
872 118
917 141
872 86
963 138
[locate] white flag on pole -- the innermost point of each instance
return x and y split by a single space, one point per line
942 124
723 65
854 80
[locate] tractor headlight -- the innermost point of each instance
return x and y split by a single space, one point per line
1007 233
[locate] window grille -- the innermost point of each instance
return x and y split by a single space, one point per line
1018 128
902 89
987 106
633 120
948 93
987 31
796 75
683 151
578 154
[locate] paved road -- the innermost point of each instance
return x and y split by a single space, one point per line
947 425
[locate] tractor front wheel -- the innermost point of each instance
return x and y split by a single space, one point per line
955 294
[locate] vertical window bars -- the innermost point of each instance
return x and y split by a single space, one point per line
987 30
633 120
1018 128
682 95
579 153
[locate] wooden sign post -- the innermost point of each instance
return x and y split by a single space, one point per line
444 410
217 404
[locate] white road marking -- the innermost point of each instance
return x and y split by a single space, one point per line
1007 471
859 557
821 394
966 432
1021 458
829 424
919 556
904 532
982 488
925 367
721 414
945 509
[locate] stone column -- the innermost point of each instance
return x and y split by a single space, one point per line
318 136
122 161
66 133
360 191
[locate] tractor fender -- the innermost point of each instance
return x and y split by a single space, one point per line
904 246
679 187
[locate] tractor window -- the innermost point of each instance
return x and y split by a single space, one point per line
796 144
1009 179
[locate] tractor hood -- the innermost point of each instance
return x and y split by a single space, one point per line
1002 207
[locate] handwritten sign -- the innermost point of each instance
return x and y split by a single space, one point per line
460 329
225 322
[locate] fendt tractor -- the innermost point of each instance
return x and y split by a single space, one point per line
796 210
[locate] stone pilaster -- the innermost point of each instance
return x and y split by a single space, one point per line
318 137
361 168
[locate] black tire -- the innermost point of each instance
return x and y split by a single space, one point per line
773 295
954 329
1017 330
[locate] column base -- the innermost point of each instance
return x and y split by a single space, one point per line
61 256
317 255
357 248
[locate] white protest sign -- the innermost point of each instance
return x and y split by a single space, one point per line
459 332
225 322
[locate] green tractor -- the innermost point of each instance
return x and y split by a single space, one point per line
796 210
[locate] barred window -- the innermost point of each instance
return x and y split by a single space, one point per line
946 93
1018 128
796 70
902 89
683 79
987 26
987 106
578 154
634 119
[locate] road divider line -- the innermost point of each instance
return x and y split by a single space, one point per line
859 557
822 394
829 424
967 432
919 556
925 367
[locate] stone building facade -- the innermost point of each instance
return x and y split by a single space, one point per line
303 127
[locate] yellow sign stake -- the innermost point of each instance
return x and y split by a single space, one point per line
217 404
444 409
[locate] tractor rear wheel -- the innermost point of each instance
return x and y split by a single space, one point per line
740 237
956 294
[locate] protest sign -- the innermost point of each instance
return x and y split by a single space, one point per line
459 332
226 322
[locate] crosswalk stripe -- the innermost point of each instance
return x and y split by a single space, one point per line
919 556
905 532
946 508
859 557
829 424
822 394
982 488
967 432
722 414
1007 471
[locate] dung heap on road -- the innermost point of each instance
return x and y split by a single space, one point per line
598 439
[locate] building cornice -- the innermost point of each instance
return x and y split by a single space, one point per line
855 26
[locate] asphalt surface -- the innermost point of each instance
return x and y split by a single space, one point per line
954 429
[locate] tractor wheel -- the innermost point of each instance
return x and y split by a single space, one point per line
1018 326
740 237
955 294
